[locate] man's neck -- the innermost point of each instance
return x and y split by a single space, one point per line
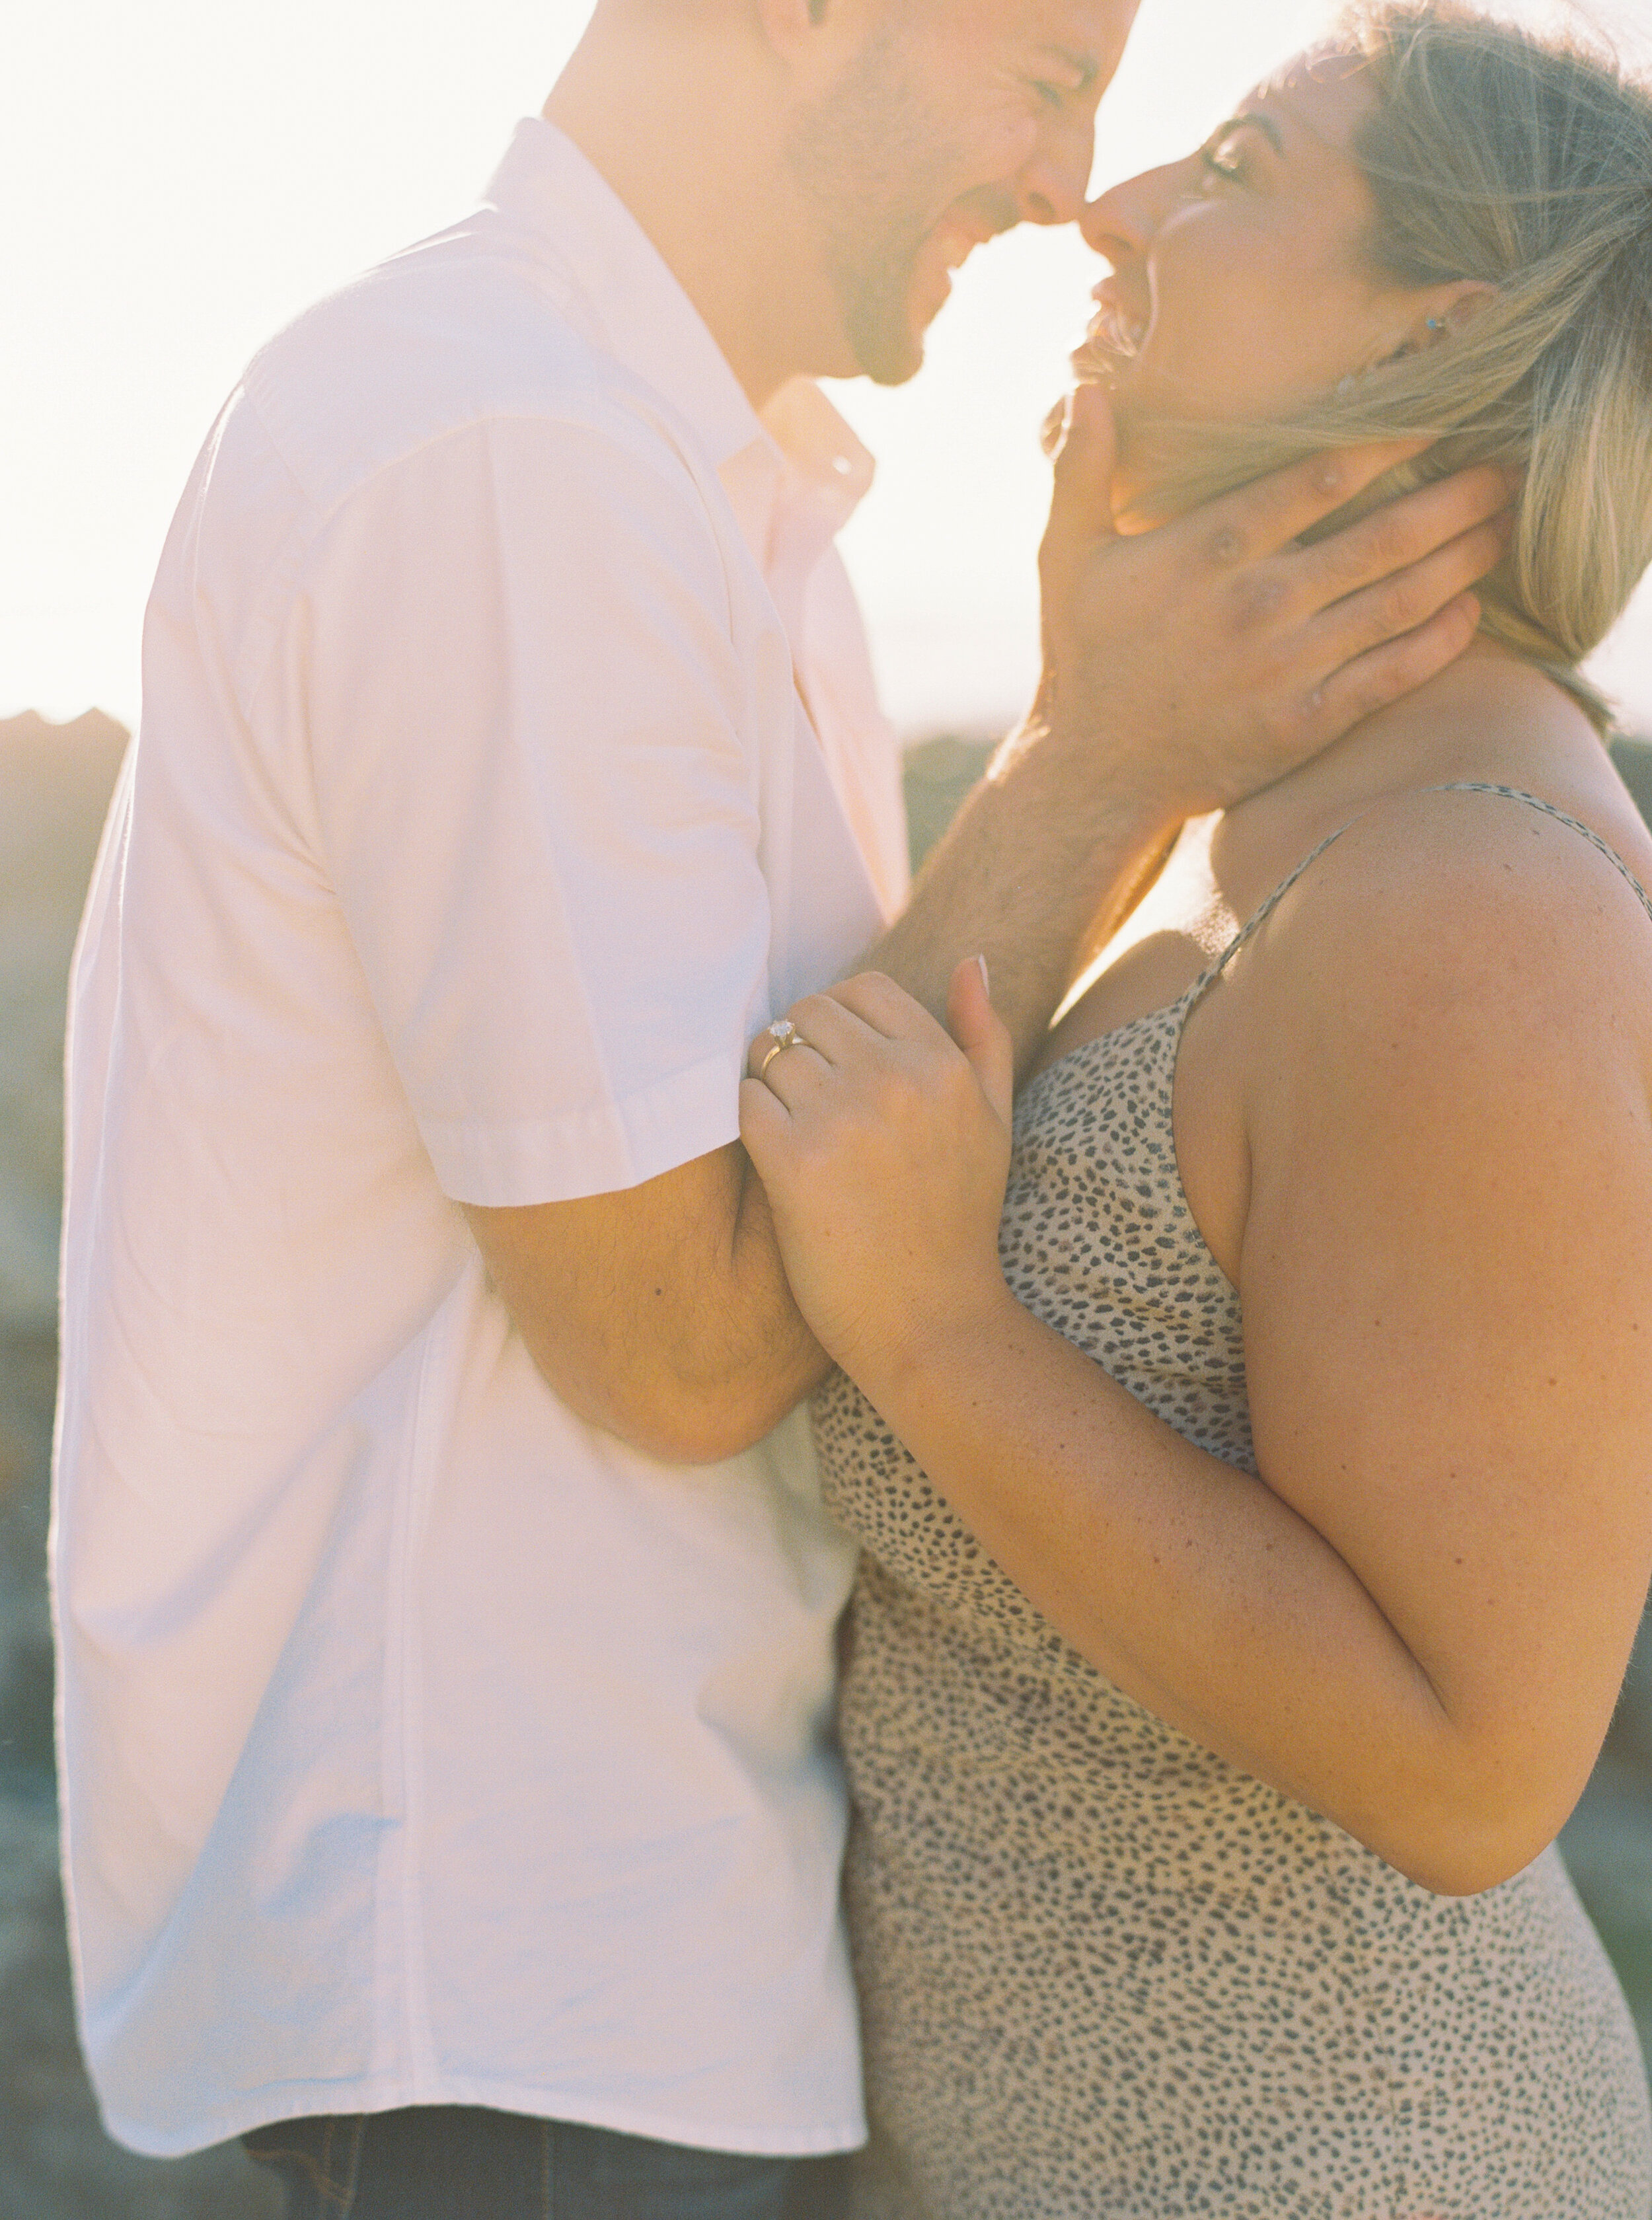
681 124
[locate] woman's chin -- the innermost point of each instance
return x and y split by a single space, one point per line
1149 452
1149 467
1132 473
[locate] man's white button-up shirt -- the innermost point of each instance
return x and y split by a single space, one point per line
508 756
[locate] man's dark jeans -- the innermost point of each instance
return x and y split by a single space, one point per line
460 2162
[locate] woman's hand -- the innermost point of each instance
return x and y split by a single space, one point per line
884 1145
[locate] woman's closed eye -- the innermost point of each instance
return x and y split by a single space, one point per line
1226 158
1239 150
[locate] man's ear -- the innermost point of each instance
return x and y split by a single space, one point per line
788 22
790 25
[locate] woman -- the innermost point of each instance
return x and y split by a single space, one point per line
1256 1522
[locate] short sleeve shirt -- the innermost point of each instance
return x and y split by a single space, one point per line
508 755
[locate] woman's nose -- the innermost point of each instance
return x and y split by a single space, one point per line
1126 215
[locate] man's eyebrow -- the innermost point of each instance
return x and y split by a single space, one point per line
1258 122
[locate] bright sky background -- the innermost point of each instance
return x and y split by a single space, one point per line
177 177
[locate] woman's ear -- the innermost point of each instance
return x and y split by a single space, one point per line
1453 308
1468 299
1441 313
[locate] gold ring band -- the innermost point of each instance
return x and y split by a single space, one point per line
785 1035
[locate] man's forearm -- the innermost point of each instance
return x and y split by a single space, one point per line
662 1312
1041 860
1029 872
1025 876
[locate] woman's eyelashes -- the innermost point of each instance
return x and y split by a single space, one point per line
1225 157
1240 149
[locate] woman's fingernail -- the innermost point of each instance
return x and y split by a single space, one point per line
986 983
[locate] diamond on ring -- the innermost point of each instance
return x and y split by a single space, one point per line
785 1034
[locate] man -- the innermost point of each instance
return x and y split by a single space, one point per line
444 1606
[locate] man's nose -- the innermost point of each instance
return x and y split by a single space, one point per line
1051 186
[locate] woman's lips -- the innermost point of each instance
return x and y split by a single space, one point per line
1116 332
1111 342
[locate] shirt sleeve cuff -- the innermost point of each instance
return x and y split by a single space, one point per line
596 1149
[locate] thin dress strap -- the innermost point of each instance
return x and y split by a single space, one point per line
1454 786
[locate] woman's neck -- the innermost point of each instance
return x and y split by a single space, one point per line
1488 716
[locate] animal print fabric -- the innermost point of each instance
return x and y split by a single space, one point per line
1102 1972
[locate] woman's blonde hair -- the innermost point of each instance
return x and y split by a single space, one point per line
1495 155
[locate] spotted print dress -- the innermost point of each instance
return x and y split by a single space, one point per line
1103 1973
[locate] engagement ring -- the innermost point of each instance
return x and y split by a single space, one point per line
785 1034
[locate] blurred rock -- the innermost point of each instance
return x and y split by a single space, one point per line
55 781
28 1382
938 774
56 2163
1634 761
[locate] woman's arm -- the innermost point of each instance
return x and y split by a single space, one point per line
1417 1620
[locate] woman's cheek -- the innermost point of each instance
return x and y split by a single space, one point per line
1198 359
1187 369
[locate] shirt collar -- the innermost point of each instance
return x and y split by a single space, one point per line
641 314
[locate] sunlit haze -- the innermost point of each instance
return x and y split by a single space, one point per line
179 178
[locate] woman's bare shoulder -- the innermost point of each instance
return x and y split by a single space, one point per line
1497 841
1457 973
1453 912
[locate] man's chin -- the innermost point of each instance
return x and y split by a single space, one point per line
889 357
887 329
890 372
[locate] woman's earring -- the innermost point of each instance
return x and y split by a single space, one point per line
1352 380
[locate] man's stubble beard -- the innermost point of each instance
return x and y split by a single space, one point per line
873 165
